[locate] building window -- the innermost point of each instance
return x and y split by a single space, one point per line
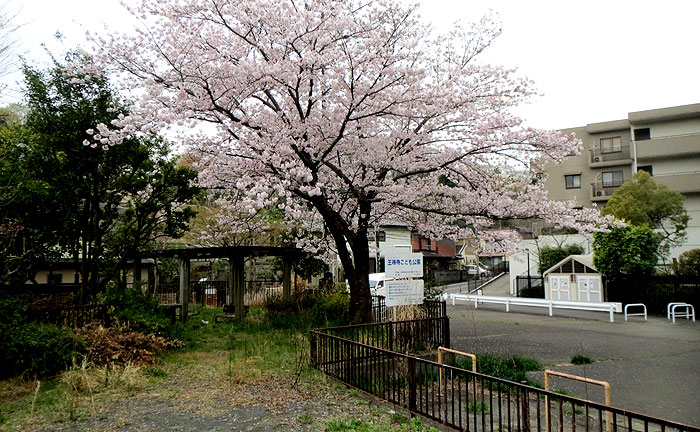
381 236
612 178
573 181
611 145
646 168
642 134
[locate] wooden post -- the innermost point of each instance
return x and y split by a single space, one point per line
237 284
184 287
286 278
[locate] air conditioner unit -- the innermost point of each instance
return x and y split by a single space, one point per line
600 193
596 159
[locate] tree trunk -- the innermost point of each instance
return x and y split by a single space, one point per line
360 299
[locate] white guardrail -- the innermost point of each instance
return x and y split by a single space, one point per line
610 307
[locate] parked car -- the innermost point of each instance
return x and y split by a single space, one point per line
478 270
377 283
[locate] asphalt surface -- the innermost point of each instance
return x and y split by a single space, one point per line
653 366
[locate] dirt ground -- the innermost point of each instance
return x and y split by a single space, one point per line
176 404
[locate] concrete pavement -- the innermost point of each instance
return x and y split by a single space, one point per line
653 367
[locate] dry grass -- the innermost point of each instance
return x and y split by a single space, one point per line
83 378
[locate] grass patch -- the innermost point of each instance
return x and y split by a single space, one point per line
580 359
212 358
513 368
394 422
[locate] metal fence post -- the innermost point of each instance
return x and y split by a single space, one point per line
526 409
313 340
391 336
412 385
446 331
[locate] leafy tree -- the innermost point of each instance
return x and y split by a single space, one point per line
689 263
26 202
341 113
626 250
102 205
642 202
549 255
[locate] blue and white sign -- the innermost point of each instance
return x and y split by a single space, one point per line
408 265
404 292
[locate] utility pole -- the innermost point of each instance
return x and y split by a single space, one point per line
376 245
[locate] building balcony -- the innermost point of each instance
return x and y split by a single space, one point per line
604 157
668 147
602 191
685 182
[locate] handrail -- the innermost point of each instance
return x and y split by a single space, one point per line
604 384
610 307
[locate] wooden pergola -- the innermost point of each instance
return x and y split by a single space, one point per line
236 256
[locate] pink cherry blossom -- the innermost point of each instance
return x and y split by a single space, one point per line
341 113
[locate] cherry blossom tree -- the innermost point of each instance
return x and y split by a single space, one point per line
340 113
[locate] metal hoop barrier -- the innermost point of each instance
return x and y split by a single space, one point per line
636 314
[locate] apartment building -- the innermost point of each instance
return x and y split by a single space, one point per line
664 142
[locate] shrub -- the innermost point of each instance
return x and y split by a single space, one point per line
551 255
308 310
32 348
334 308
689 263
136 308
36 349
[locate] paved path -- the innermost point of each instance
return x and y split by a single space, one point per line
653 367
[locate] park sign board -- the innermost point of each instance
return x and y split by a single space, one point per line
407 265
404 292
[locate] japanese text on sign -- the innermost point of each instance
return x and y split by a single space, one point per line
404 266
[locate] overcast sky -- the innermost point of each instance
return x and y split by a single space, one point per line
592 60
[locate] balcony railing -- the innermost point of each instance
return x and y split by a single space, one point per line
610 154
603 190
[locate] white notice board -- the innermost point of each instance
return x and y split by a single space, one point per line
404 292
407 265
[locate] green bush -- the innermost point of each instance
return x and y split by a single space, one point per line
689 263
136 308
307 310
551 255
31 348
331 309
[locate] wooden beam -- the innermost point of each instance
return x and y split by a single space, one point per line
184 287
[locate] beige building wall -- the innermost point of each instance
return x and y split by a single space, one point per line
665 141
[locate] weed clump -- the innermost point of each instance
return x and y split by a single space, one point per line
579 359
513 368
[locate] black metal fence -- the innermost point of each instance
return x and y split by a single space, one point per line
529 286
429 308
213 293
472 276
360 357
408 336
654 291
70 315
